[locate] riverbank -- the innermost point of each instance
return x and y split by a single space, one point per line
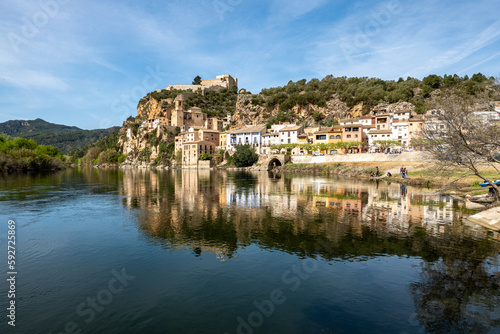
428 174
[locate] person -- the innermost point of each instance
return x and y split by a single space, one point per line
389 174
378 172
405 172
401 171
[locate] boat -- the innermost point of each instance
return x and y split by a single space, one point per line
486 184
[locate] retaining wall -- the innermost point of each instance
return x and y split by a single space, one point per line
361 157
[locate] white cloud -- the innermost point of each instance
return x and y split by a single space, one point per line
288 10
419 39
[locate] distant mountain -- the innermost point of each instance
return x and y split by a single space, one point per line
65 138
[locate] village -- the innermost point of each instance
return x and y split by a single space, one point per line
391 130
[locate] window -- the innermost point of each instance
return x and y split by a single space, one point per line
338 137
321 137
348 136
332 137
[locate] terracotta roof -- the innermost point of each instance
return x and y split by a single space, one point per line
335 128
291 128
349 120
250 129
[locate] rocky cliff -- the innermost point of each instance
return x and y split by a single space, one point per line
145 145
253 109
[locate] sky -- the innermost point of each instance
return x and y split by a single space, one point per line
87 63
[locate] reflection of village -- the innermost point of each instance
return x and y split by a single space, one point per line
217 211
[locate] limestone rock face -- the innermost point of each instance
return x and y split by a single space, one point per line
400 106
144 138
153 109
248 112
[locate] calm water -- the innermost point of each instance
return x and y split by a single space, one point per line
216 252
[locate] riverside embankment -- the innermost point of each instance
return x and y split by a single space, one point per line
415 156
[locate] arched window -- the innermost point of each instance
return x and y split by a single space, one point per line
338 137
332 137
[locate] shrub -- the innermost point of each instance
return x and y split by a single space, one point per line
245 156
206 157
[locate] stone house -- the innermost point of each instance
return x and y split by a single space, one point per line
192 151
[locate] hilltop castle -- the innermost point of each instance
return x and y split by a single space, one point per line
220 81
170 112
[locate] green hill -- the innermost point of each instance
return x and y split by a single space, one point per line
65 138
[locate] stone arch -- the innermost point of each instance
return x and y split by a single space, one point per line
275 162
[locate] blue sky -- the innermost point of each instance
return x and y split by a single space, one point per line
87 63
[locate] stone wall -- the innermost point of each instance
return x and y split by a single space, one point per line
364 157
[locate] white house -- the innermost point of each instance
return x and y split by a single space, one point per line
289 134
400 132
269 139
251 135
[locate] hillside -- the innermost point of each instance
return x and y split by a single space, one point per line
65 138
333 98
324 101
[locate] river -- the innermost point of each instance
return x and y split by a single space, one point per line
194 251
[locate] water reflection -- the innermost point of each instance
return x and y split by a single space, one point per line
217 210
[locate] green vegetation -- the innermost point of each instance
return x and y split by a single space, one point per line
206 157
108 146
178 157
65 138
215 103
161 95
197 80
24 154
218 157
385 144
318 147
372 91
165 153
244 156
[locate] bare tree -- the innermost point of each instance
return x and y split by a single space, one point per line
459 137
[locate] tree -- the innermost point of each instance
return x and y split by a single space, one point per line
245 156
385 144
433 81
178 157
206 157
91 155
197 80
460 138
